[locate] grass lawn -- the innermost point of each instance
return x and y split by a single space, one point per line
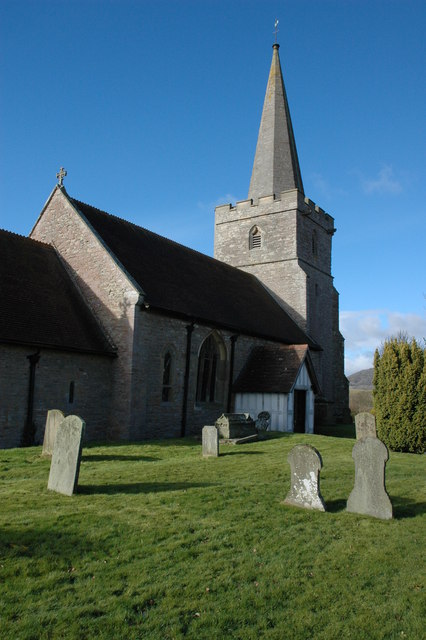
160 543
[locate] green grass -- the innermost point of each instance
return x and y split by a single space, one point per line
160 543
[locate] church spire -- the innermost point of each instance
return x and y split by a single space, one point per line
276 165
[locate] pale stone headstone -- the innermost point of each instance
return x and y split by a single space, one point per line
369 495
53 420
66 457
263 421
365 425
305 464
210 441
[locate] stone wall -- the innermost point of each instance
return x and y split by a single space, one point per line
294 264
157 334
54 372
110 294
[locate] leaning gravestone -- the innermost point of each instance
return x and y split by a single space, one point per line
53 420
210 441
66 457
305 464
365 425
369 495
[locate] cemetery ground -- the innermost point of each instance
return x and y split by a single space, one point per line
160 543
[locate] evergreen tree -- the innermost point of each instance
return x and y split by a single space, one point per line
400 394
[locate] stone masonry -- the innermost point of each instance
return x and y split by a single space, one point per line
293 263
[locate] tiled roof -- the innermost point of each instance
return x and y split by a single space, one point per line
179 280
274 369
40 305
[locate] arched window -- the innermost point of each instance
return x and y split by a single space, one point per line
211 370
166 394
255 238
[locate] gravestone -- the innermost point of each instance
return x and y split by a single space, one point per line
235 425
305 464
365 425
210 441
263 421
66 457
369 495
53 420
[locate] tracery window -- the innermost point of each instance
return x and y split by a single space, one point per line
207 370
255 238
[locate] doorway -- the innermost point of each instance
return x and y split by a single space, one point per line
299 411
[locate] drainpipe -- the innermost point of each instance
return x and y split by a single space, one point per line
29 430
234 339
189 330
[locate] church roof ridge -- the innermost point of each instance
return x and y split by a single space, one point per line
179 280
22 237
41 306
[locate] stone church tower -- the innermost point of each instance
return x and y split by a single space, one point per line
284 239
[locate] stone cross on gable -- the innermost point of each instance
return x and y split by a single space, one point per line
61 175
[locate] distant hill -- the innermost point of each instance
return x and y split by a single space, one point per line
361 379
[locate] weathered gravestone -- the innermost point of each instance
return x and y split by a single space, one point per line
210 441
235 425
369 495
305 464
365 425
65 465
263 421
53 420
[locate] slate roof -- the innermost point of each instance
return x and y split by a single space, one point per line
182 281
274 369
40 305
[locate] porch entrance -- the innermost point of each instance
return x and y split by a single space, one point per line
299 411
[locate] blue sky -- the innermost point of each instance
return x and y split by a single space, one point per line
153 107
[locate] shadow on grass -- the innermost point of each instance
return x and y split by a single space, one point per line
335 506
404 508
139 487
51 541
242 453
105 457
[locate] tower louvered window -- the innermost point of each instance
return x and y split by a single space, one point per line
255 238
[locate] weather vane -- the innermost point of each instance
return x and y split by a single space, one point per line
61 175
276 29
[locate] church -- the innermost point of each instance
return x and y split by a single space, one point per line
145 338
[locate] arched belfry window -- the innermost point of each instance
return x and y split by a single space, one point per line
211 366
255 238
166 393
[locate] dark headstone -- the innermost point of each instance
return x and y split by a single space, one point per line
263 421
